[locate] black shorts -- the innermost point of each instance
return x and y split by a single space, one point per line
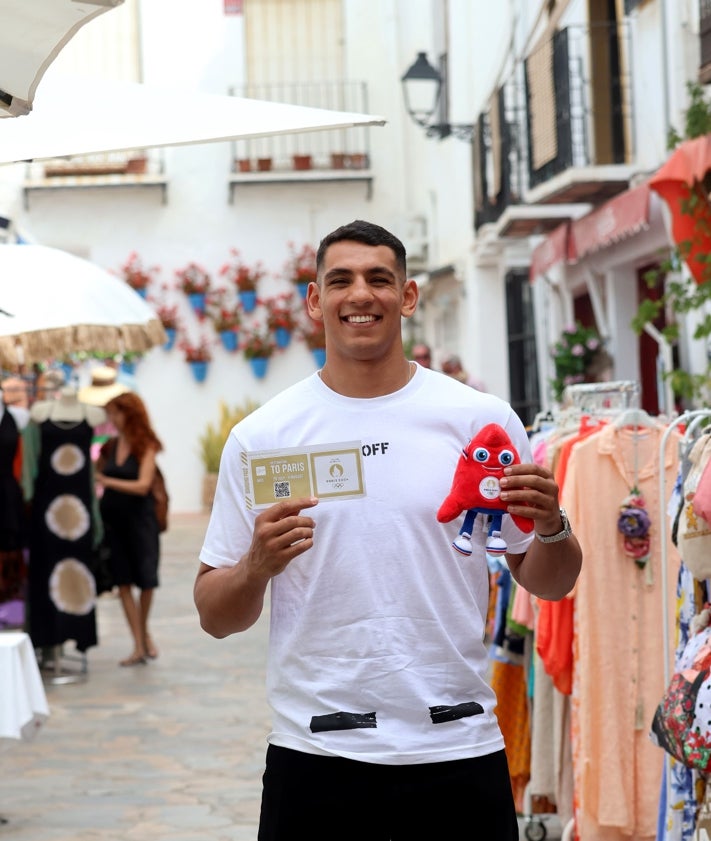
324 798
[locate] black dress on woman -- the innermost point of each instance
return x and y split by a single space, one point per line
62 589
130 524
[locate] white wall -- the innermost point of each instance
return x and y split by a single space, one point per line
191 43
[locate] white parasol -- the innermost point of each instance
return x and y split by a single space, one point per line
53 304
32 34
109 116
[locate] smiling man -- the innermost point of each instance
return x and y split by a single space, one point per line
383 724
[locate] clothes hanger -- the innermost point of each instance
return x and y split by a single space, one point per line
637 418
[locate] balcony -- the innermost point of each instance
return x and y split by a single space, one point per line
579 126
556 139
337 156
131 169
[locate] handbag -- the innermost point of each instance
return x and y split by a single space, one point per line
160 499
681 724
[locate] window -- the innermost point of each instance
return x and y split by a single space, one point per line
523 361
296 40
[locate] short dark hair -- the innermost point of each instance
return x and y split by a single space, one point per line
369 234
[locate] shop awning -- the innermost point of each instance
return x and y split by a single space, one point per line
554 249
616 220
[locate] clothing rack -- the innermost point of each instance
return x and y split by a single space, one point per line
694 418
599 399
609 396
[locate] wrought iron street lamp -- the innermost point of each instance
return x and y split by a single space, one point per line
424 89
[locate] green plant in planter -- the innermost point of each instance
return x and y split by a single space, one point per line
212 440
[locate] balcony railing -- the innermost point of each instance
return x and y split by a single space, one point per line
500 176
130 168
579 94
566 107
343 151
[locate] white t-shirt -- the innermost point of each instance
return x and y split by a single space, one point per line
378 629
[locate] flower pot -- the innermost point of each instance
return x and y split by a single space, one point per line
142 291
199 369
338 160
197 302
359 160
319 355
259 366
128 367
248 299
171 333
136 166
264 164
282 337
244 165
229 340
303 288
302 161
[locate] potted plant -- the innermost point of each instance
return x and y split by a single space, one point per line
573 354
194 281
301 266
226 316
280 318
168 316
258 345
315 338
136 275
198 356
245 279
212 442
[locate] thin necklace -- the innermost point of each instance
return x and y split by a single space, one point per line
411 369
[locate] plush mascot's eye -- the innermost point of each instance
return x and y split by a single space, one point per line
506 457
481 454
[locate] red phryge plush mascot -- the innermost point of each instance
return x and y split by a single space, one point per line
476 488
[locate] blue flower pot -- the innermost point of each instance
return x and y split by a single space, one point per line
171 333
259 366
303 289
199 370
197 302
282 337
248 300
142 292
319 355
229 340
128 367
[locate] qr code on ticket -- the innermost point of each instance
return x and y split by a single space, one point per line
282 490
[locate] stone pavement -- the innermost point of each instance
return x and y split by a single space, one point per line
169 751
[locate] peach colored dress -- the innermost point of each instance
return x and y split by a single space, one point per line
618 642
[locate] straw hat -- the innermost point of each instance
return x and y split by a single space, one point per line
103 387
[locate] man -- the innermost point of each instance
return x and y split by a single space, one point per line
422 354
383 723
452 366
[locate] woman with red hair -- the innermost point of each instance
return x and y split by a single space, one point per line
125 470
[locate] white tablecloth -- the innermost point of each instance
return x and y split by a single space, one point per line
23 703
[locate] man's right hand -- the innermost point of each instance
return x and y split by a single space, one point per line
281 533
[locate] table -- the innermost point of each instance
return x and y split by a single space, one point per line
23 703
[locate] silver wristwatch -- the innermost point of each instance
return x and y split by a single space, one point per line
566 531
